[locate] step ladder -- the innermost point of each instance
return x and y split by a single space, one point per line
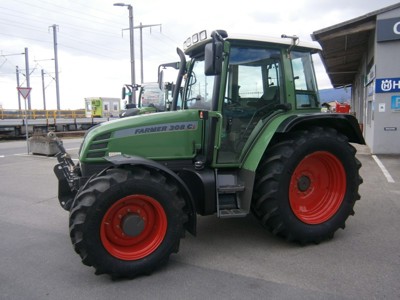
228 196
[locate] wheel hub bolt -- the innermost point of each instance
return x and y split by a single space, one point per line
303 183
132 225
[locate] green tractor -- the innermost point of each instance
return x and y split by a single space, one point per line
247 137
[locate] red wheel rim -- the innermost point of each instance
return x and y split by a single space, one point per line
145 210
317 187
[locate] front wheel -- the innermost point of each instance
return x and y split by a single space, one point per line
306 185
127 222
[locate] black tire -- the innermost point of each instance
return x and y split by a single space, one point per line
306 185
126 223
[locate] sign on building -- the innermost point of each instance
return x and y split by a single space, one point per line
395 104
387 85
388 29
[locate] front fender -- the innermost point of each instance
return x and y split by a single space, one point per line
120 160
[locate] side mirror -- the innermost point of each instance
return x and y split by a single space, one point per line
161 80
123 93
213 57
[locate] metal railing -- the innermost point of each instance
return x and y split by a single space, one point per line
41 114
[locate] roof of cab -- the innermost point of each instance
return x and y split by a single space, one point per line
256 38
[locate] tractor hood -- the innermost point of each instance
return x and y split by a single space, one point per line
161 136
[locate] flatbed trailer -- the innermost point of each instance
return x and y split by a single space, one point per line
17 127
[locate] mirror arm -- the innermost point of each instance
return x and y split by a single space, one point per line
181 73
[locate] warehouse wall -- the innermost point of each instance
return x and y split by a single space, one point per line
386 114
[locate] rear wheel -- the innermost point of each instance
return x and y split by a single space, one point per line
127 222
307 185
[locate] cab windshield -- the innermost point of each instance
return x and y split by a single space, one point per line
199 88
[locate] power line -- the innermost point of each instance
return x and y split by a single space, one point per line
23 37
82 33
93 43
81 15
85 15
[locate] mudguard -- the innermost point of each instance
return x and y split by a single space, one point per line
346 124
119 160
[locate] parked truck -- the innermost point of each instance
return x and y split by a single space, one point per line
249 138
99 107
153 96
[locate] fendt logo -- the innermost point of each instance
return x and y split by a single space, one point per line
387 85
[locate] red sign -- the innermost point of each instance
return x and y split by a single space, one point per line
24 91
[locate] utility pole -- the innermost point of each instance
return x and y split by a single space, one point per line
56 65
27 77
132 50
141 45
19 95
44 93
43 83
132 97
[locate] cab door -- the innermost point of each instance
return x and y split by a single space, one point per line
252 93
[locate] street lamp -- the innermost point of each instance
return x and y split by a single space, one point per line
133 81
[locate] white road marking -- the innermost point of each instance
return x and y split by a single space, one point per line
385 172
26 154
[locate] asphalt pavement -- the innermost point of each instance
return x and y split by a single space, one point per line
229 258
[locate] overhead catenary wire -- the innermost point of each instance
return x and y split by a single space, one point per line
83 16
65 37
86 34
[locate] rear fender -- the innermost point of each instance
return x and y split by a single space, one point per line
346 124
120 160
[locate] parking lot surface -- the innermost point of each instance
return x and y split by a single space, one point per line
229 258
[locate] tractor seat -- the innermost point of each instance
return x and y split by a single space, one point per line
270 96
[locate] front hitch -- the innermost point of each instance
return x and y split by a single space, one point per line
68 175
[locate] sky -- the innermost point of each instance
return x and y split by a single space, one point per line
93 45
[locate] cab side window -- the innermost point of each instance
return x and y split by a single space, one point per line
304 80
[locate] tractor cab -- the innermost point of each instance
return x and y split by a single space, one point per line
246 82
